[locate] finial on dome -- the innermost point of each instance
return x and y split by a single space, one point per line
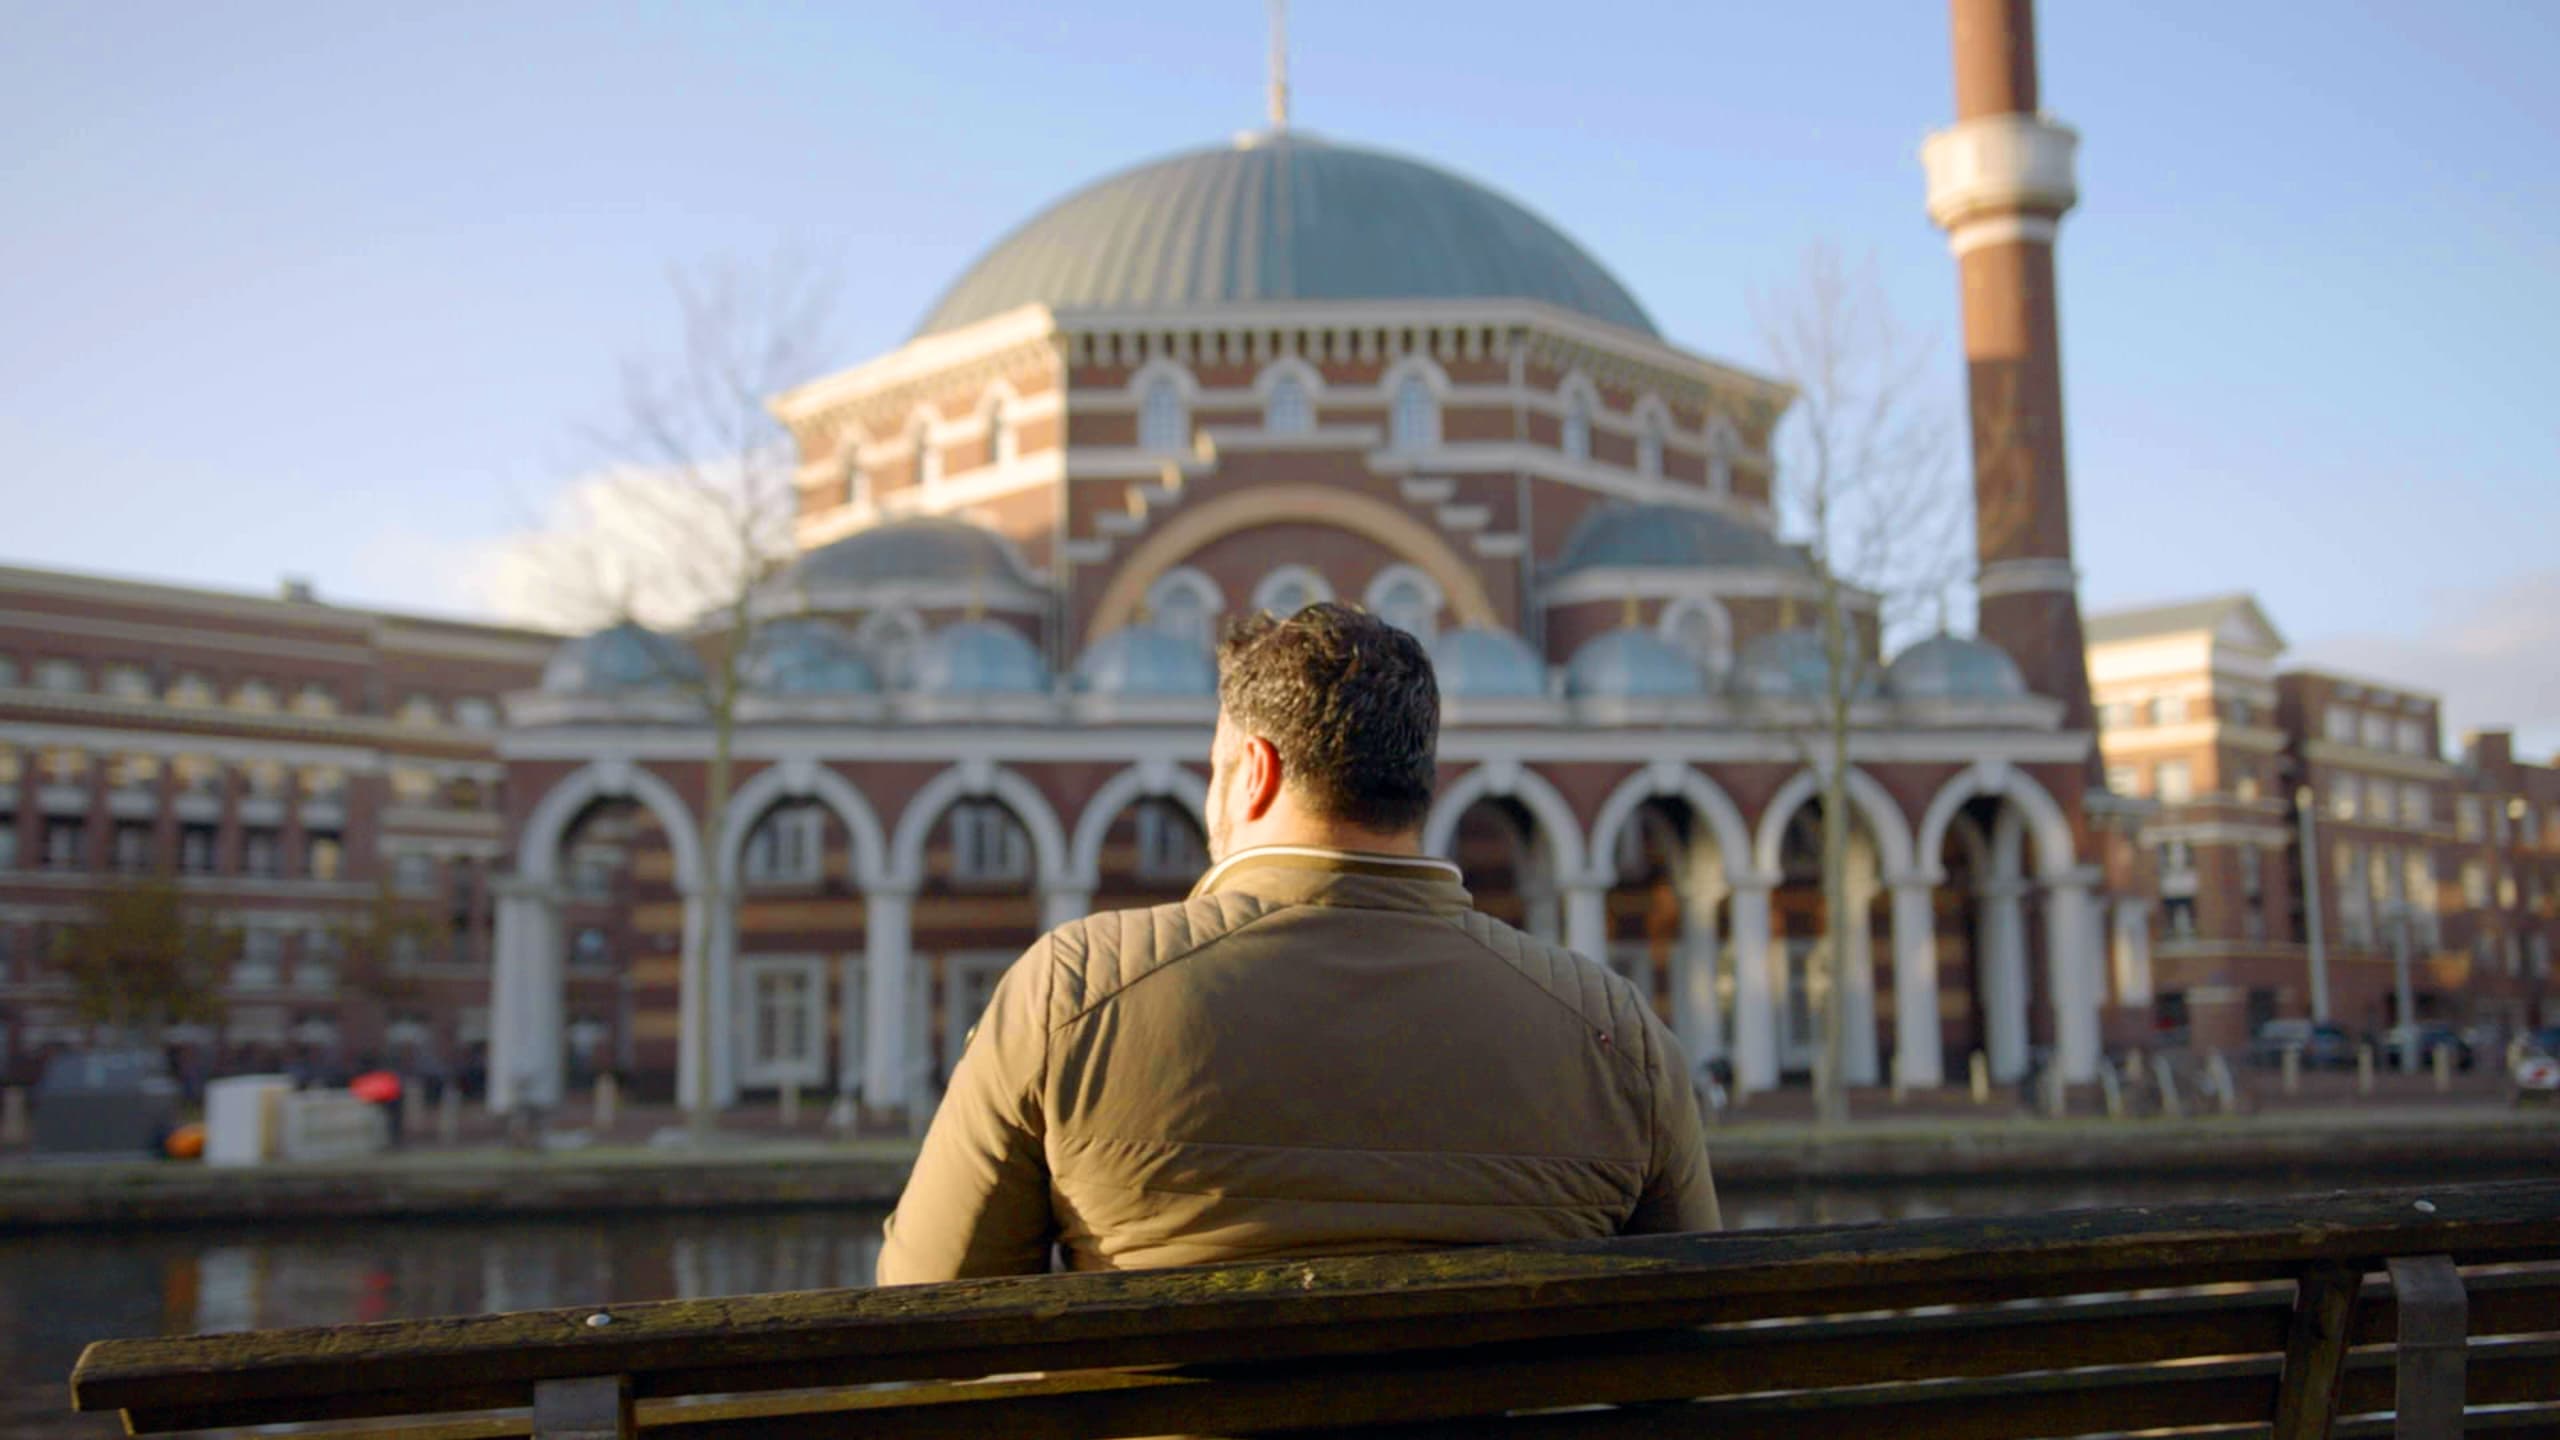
1279 94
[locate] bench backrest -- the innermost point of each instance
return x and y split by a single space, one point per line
2050 1325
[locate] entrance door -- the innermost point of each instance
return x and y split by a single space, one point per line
782 1021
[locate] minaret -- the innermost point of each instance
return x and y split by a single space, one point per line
2000 179
1279 85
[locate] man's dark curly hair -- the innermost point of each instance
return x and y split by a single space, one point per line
1350 703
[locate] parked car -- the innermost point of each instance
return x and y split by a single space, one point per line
2545 1041
105 1102
2427 1039
2323 1046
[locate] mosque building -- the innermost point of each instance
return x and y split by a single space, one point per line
1254 376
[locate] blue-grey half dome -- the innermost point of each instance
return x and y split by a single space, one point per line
1670 537
807 657
1954 667
1791 665
1633 664
924 547
1276 217
1143 660
620 658
1478 662
979 657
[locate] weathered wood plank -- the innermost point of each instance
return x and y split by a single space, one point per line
1349 1304
2434 1326
595 1408
2315 1352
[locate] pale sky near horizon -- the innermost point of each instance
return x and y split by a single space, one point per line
325 290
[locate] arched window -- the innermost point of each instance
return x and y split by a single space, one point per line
1649 447
1288 410
1721 446
1407 599
1162 427
1186 603
1415 423
999 435
888 639
1702 631
1290 589
1576 442
857 483
925 461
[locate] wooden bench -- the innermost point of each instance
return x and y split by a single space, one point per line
2212 1319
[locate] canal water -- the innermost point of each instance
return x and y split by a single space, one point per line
58 1291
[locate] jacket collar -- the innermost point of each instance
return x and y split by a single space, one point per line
1320 875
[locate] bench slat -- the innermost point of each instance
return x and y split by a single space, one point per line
2315 1352
1330 1306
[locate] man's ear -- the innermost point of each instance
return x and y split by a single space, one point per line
1262 778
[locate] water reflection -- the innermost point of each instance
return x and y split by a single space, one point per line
59 1291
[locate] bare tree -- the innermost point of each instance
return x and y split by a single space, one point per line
688 520
1864 466
145 958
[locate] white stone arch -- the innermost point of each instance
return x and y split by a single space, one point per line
1148 779
1716 657
1000 399
1671 778
1143 382
968 780
2047 826
1376 597
1508 780
538 853
1309 380
1872 802
1392 384
1266 591
800 778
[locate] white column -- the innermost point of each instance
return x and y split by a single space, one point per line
2003 930
885 1005
1542 916
1858 1061
2071 968
1057 907
509 990
1586 917
699 1009
1919 1058
2133 952
1755 1019
1695 1012
545 1024
720 945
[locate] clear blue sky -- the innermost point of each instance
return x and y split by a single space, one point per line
324 288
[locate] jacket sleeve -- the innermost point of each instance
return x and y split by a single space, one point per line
978 1200
1679 1188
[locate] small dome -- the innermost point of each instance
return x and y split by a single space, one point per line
1954 667
1633 664
1789 665
1143 660
622 657
927 547
1670 537
808 657
979 657
1479 662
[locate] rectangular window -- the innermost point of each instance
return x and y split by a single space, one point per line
2167 709
2124 779
788 848
2252 872
2475 885
63 677
8 841
2344 797
2413 737
133 848
128 682
2415 808
2179 911
2377 730
65 844
2466 816
261 853
261 957
2338 723
987 845
324 854
414 873
195 849
2175 782
2239 711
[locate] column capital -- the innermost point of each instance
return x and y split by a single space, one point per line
2000 177
1922 880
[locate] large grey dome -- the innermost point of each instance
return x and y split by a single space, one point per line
1794 665
1143 660
979 657
1672 537
620 658
1282 216
807 657
1633 664
1476 662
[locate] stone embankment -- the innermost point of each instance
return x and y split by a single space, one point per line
744 1174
